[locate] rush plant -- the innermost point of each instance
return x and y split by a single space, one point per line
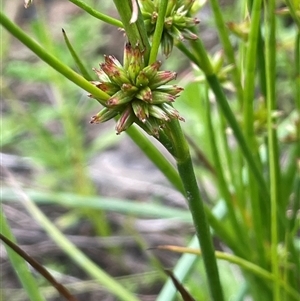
238 124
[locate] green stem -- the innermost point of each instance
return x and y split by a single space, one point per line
222 185
187 52
248 117
97 14
293 11
186 172
248 122
76 58
293 227
261 63
205 65
51 60
270 55
297 75
186 262
136 32
158 30
222 101
228 49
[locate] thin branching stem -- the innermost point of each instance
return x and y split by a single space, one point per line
160 23
136 32
95 13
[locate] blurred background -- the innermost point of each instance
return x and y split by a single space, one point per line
96 187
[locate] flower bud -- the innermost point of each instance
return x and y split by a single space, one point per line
161 78
101 75
104 115
158 113
127 55
177 23
161 97
137 93
170 89
152 69
141 80
141 110
187 34
167 44
119 98
125 121
171 111
110 59
151 126
129 88
145 95
108 87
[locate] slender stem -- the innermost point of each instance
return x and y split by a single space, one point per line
51 60
215 224
293 228
200 221
222 101
187 52
203 61
248 122
222 185
248 117
186 172
270 55
205 65
238 179
76 57
97 14
293 11
228 49
297 75
261 63
158 30
136 32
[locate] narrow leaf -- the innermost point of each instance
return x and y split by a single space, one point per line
76 58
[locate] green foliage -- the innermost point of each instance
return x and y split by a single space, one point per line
241 109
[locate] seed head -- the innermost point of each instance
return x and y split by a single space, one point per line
139 93
177 24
